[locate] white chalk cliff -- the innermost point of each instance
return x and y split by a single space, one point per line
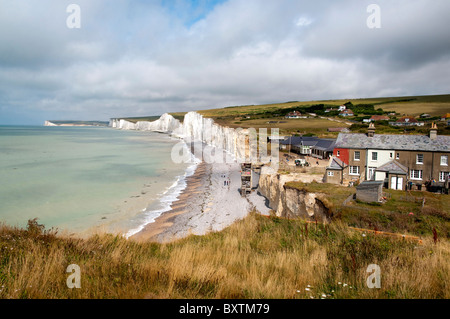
194 127
285 201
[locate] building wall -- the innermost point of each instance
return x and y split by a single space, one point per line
361 163
383 157
336 178
437 167
343 154
369 193
431 166
380 176
409 159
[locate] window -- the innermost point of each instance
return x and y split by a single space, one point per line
391 155
444 160
338 153
330 173
374 156
416 174
419 159
443 176
357 155
398 156
354 170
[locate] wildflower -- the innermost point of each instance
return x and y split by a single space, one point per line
344 285
307 289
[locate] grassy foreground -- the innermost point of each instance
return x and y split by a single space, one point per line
257 257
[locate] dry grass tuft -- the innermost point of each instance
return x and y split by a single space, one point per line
257 257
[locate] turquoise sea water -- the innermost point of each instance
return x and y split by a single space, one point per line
80 179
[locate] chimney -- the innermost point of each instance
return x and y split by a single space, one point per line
371 130
433 131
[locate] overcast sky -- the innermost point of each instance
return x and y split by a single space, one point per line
135 57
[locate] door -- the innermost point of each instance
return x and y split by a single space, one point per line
396 182
393 182
399 183
371 173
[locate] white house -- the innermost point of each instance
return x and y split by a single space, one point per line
375 159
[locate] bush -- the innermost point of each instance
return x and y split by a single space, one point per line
34 228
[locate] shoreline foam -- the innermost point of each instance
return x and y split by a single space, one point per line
206 205
166 199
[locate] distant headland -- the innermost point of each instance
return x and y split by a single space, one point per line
75 123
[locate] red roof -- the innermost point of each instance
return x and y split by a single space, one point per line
408 119
379 118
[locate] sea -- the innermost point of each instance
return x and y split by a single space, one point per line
86 180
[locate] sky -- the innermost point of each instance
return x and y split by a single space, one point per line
140 58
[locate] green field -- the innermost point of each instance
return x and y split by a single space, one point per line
435 105
273 115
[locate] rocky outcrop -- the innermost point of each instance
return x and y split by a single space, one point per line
291 202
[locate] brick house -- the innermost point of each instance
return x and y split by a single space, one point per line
400 161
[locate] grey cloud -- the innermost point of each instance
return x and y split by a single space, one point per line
133 58
412 33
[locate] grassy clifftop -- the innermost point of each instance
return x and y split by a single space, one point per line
258 257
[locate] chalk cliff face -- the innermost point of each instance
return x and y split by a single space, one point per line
48 123
166 123
198 128
285 201
194 128
291 202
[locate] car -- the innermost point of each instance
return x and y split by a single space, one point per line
301 162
